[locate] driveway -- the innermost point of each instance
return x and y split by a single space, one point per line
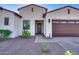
69 43
19 46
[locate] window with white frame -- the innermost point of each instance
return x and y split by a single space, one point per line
26 24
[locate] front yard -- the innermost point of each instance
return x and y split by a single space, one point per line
19 46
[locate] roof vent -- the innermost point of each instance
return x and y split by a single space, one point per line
68 11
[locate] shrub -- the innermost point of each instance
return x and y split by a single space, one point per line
5 33
68 52
25 34
45 48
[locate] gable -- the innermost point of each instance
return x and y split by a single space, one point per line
32 5
64 8
67 13
9 11
32 12
35 8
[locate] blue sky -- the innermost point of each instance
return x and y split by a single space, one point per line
14 7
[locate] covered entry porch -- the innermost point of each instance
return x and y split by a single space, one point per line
39 27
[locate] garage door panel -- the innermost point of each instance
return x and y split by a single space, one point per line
65 29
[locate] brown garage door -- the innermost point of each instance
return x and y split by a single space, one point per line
61 29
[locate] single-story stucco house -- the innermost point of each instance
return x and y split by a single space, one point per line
59 22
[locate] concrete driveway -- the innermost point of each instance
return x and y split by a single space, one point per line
19 46
69 43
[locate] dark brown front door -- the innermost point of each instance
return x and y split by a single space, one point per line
39 28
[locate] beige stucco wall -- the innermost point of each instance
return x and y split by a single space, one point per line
13 22
61 14
17 26
27 14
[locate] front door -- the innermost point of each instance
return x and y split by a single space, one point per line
39 28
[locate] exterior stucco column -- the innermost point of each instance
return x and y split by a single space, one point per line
44 27
32 27
21 26
48 28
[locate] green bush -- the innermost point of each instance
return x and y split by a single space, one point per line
45 48
68 52
5 33
25 34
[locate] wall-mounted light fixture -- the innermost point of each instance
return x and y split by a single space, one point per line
32 9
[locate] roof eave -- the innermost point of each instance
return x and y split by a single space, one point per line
11 11
62 8
32 4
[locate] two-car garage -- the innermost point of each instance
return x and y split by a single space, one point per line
64 22
65 28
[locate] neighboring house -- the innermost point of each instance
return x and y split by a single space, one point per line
60 22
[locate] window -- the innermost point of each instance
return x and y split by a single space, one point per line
6 21
55 21
71 22
26 24
64 22
68 11
77 22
